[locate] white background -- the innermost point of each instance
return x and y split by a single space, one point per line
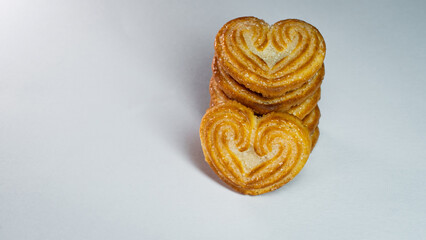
101 101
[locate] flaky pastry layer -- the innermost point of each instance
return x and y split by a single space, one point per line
311 121
315 137
217 96
259 103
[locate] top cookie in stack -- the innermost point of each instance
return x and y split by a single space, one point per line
269 68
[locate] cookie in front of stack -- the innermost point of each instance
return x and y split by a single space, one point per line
268 71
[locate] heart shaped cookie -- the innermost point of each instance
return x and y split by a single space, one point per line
253 155
270 60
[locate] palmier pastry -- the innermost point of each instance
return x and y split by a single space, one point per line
311 121
253 155
217 96
314 137
262 104
303 109
270 60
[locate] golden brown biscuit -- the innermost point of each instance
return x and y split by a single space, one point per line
262 104
217 96
253 155
270 60
300 111
314 137
303 109
311 121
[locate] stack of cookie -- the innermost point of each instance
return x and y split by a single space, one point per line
276 68
263 120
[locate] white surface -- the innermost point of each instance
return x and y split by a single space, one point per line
100 105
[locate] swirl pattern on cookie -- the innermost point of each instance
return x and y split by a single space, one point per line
262 104
253 155
270 60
